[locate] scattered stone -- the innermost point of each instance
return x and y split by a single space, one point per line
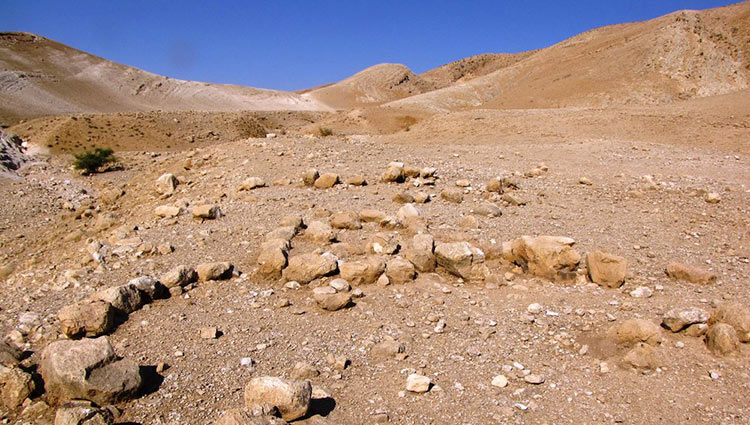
10 355
713 198
88 369
641 292
167 211
209 332
15 386
513 200
399 271
357 180
256 415
394 173
403 198
633 331
418 383
124 298
302 371
408 211
722 339
215 271
371 216
534 379
463 183
345 220
458 258
585 181
420 251
320 232
179 276
678 319
534 308
151 288
206 212
606 269
422 197
252 183
487 209
166 184
388 348
383 243
495 185
697 330
427 172
293 221
305 268
551 257
642 356
310 176
292 398
500 381
272 258
469 222
452 195
89 318
735 315
84 412
690 274
362 272
326 180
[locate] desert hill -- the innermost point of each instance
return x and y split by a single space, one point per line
682 55
39 76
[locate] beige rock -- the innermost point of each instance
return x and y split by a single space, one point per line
345 220
696 330
452 195
468 222
383 243
399 270
458 258
690 274
10 355
302 371
272 257
403 198
166 184
215 271
293 221
551 257
394 173
209 332
286 233
735 315
328 299
713 198
422 197
309 176
643 356
250 416
320 232
371 216
305 268
606 269
251 183
388 348
167 211
363 272
500 381
326 180
427 172
678 319
514 200
722 339
15 386
88 318
418 383
632 331
408 212
292 398
84 412
124 298
487 209
411 171
420 251
179 276
88 369
206 212
494 185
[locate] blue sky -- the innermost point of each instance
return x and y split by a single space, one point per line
291 45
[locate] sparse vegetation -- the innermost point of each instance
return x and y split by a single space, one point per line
90 162
325 131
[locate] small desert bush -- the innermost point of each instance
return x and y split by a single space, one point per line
325 131
90 162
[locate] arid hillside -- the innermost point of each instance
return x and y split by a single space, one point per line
39 76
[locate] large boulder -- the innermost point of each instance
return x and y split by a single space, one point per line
606 269
88 369
421 252
362 272
89 318
305 268
399 270
292 398
690 274
215 271
394 173
273 257
124 298
735 315
678 319
551 257
458 258
633 331
166 184
722 339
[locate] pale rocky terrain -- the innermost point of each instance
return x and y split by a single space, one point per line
582 263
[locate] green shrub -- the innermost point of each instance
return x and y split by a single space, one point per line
325 131
91 162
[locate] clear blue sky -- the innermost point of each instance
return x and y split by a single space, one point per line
291 45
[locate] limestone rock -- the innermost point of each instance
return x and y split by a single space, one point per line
305 268
458 258
124 298
383 243
88 318
292 398
328 299
251 183
150 288
722 339
362 272
83 412
487 209
248 416
371 216
326 180
206 212
452 195
293 221
606 269
273 257
167 211
632 331
179 276
642 356
394 173
407 212
302 371
735 315
551 257
166 184
345 220
15 386
10 355
356 180
678 319
690 274
403 198
418 383
320 232
215 271
399 271
513 200
88 369
388 348
309 176
420 251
